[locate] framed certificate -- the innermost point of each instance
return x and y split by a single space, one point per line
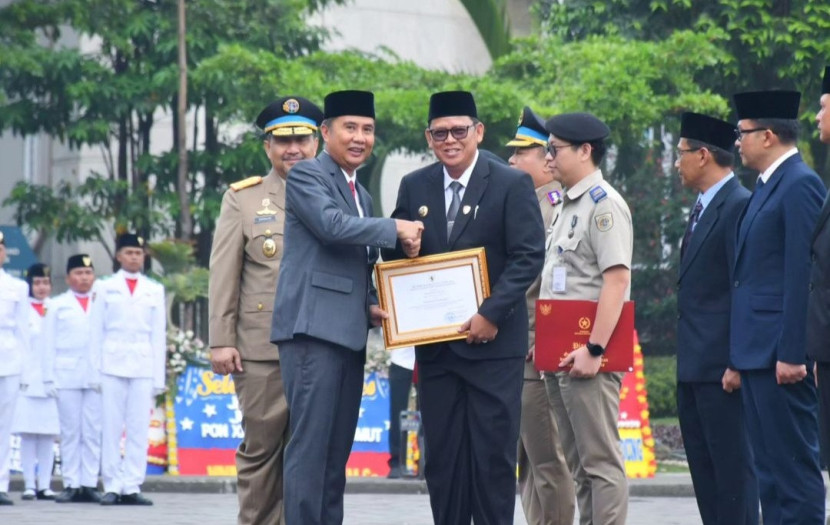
429 298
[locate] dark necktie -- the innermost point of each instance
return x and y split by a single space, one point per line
693 218
455 204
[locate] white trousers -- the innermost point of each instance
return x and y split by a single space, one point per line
128 403
79 411
9 387
37 450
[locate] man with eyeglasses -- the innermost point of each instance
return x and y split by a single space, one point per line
708 400
325 304
588 257
244 264
545 483
818 311
470 389
769 307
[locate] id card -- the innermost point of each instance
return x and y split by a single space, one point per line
560 275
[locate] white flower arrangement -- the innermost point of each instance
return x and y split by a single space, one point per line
183 348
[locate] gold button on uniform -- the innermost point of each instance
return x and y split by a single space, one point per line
267 232
259 306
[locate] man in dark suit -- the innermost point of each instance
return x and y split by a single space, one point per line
818 311
470 390
708 400
769 308
324 304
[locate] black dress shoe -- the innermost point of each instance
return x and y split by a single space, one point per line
67 496
110 498
5 500
134 499
89 495
394 473
45 494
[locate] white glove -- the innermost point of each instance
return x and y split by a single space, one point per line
49 388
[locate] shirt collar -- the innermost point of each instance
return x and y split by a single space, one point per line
774 166
129 275
464 179
352 178
706 197
584 185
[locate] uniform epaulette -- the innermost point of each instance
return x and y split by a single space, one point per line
246 183
597 194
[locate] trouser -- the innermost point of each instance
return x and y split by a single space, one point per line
400 384
9 387
259 458
79 411
470 411
719 454
128 403
323 385
782 426
545 483
37 452
587 411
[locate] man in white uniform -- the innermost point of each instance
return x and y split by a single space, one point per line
14 343
67 342
36 412
128 342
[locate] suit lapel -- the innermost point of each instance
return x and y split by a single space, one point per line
340 182
472 195
276 190
436 219
707 222
759 197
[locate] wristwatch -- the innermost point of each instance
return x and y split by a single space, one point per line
595 350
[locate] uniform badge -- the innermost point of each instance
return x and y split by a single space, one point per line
554 197
604 222
422 211
87 261
266 206
597 193
466 210
140 241
545 309
291 106
269 248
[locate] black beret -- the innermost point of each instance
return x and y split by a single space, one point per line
825 84
577 127
80 260
712 131
452 104
350 102
129 240
531 131
290 116
767 104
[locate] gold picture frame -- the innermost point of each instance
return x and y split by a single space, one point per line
428 298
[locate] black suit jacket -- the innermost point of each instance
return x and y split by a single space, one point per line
503 218
704 288
818 309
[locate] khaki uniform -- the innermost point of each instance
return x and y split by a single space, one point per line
592 234
545 483
244 264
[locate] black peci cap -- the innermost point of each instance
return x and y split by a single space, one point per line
129 240
577 127
80 260
452 104
350 102
767 104
708 130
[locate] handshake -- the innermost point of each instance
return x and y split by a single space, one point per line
409 232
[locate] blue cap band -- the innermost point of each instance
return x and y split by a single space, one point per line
527 132
290 120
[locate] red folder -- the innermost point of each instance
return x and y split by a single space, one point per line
563 326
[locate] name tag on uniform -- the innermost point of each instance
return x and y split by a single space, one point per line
560 275
267 218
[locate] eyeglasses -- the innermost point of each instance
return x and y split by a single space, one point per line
739 133
458 133
552 148
681 151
